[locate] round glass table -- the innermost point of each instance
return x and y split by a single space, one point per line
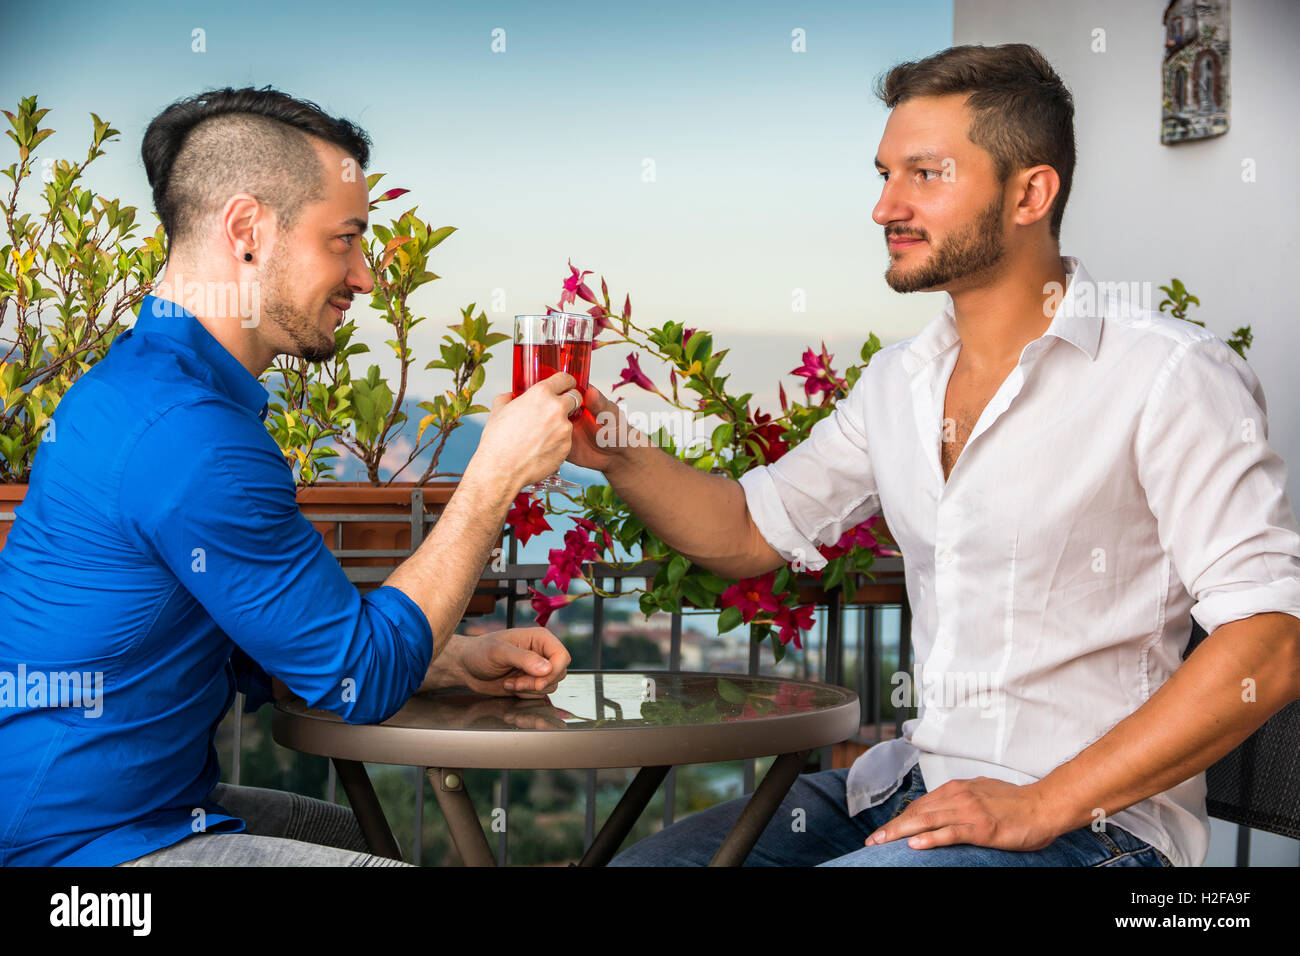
653 720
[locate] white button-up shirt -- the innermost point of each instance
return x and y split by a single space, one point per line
1118 483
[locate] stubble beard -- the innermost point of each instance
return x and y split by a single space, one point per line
975 249
310 342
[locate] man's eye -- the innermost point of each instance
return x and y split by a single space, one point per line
349 236
935 171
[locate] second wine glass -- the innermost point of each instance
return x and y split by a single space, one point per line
544 345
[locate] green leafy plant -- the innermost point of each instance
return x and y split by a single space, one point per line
1178 299
69 274
320 405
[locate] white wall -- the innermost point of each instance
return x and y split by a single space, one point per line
1140 211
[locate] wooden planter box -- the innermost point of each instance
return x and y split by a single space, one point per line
370 529
397 519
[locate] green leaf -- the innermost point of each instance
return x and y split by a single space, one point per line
729 619
730 692
691 591
782 579
676 568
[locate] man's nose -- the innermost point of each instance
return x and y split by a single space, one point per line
359 278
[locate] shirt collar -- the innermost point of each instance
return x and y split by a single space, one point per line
164 317
1077 320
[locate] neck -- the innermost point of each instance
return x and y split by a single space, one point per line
226 306
997 320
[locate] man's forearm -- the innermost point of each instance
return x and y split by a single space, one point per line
440 576
1227 688
700 515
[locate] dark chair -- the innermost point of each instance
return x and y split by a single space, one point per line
1258 783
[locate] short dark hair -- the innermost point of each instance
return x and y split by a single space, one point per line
201 150
1023 113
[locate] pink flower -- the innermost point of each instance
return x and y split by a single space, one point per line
817 374
574 286
792 620
566 562
857 536
632 375
591 527
751 595
686 336
601 316
527 517
545 606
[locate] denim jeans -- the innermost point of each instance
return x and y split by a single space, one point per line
812 827
282 829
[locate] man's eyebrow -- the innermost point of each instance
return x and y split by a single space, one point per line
923 156
361 224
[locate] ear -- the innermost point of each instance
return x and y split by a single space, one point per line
246 226
1040 185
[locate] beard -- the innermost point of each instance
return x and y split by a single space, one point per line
977 248
303 329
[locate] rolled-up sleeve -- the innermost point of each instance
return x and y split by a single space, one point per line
819 489
1216 488
207 490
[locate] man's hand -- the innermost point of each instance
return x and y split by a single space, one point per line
983 812
530 435
524 661
591 447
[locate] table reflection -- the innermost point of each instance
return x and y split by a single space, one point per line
586 699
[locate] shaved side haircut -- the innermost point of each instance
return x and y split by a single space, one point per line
202 150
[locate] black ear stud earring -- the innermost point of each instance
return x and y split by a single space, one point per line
248 257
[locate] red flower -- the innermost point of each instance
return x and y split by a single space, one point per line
792 620
769 437
574 286
817 374
632 375
527 517
545 605
686 336
751 595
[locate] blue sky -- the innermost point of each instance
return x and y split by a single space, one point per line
763 181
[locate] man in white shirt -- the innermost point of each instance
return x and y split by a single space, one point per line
1069 478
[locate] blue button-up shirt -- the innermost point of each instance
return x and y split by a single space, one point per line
158 562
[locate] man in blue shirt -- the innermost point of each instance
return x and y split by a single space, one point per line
160 560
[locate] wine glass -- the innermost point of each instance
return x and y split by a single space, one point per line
544 345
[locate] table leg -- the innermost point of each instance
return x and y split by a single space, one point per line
624 817
365 805
462 822
758 811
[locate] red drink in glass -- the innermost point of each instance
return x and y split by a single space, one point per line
534 362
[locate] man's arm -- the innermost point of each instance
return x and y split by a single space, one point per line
1235 680
523 441
817 490
700 515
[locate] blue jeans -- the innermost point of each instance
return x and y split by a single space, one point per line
824 834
